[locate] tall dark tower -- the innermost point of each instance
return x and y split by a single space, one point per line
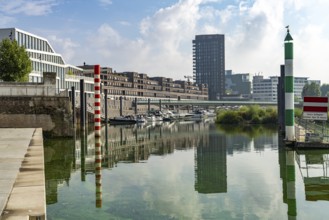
209 63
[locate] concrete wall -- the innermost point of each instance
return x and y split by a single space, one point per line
47 88
52 114
36 105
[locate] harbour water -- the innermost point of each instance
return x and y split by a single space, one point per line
185 170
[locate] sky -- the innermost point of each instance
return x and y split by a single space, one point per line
155 36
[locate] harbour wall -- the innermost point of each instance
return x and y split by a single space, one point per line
51 113
36 105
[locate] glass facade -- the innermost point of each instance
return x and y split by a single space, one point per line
42 55
209 63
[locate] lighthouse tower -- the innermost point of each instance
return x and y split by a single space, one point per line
289 87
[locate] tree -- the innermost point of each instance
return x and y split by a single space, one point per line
15 64
324 89
312 89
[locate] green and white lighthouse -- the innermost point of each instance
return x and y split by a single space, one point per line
289 87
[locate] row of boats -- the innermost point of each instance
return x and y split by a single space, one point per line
168 116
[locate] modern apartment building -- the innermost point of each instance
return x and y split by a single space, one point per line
139 85
42 55
266 89
209 63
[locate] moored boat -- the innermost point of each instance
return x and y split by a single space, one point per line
120 120
140 119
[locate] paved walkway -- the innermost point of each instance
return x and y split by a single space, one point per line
22 185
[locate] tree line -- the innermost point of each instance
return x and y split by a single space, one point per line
314 89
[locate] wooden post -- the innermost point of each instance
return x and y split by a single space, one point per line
82 108
73 105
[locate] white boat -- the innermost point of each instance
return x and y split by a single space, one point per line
150 118
158 118
195 116
174 116
140 119
154 118
211 114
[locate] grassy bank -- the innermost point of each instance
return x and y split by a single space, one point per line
253 114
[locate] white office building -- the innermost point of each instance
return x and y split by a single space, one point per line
266 89
42 55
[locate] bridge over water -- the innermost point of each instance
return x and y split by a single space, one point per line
204 103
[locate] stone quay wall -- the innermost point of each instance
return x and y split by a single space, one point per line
52 114
36 105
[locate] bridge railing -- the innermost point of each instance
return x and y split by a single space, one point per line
202 102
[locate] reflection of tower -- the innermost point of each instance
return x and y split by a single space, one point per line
210 168
283 172
291 188
287 174
98 171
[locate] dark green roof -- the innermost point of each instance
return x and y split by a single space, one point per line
288 37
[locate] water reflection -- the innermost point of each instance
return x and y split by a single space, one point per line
132 144
98 171
59 161
288 177
313 165
210 163
224 172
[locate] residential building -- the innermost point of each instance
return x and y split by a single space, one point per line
132 85
209 63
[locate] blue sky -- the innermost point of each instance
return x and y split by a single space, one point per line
155 36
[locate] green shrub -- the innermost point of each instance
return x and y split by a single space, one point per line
248 115
229 117
255 120
270 118
298 112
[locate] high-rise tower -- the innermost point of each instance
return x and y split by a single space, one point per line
209 63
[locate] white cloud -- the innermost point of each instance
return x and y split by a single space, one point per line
28 7
68 48
105 2
311 49
254 33
164 45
